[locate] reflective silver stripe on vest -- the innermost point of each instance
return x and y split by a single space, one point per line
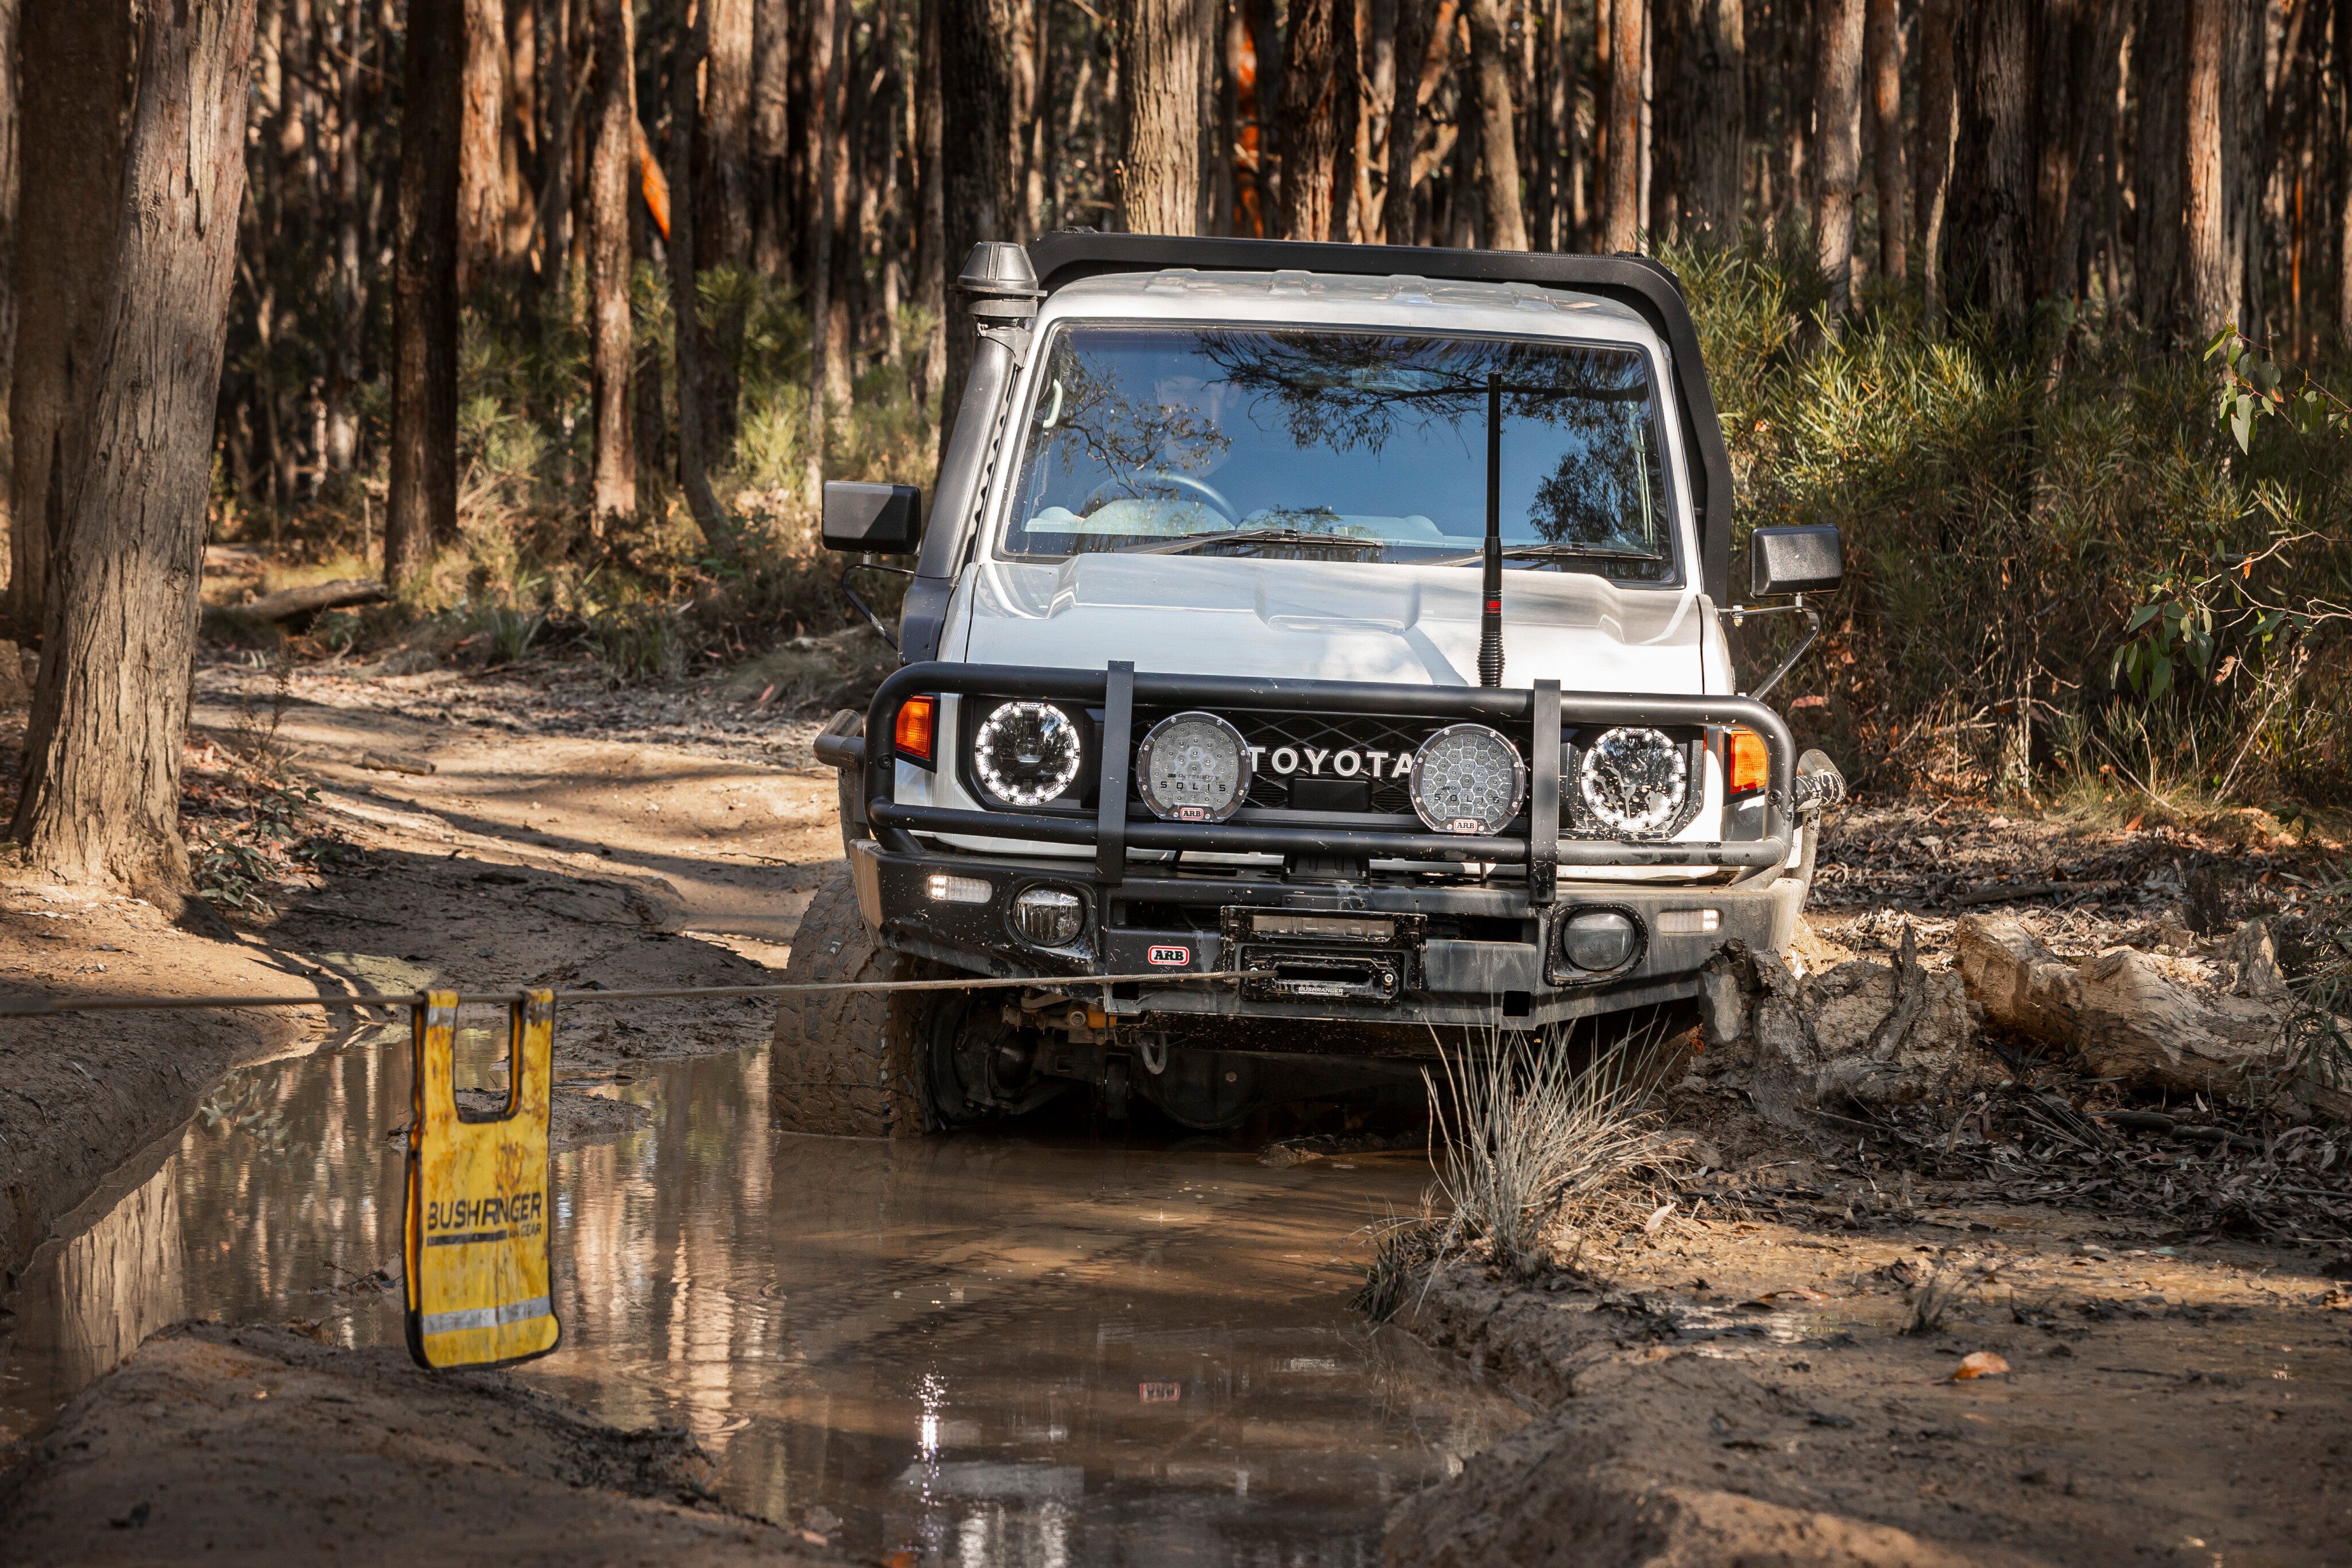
486 1317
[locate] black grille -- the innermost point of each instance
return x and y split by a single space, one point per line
1330 735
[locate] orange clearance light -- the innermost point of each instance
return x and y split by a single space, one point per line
1747 767
913 732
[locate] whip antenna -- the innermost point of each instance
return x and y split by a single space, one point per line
1490 627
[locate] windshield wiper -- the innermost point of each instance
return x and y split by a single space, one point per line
1252 537
1546 552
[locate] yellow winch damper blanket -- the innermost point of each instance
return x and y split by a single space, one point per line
477 1198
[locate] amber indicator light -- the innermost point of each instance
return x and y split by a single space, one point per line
914 731
1747 766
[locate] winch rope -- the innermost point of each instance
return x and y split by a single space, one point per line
36 1007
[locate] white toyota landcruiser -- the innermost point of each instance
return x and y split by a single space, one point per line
1347 621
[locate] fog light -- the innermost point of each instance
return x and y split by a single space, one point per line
946 889
1599 940
1049 917
1688 922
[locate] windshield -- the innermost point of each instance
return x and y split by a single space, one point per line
1340 445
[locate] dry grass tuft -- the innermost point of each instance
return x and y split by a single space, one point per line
1534 1146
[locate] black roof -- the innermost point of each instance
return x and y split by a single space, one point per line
1641 285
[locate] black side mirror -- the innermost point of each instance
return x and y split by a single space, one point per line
1810 559
872 519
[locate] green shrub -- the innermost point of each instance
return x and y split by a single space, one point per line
2036 524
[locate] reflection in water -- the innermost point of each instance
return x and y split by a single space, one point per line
976 1350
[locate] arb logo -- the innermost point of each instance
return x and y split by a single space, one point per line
1171 958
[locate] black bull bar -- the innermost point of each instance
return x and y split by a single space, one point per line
1121 687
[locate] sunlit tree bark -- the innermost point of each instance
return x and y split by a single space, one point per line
2206 295
611 176
1160 141
1837 134
1309 121
482 176
1624 211
1490 98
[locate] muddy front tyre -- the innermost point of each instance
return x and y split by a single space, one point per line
850 1063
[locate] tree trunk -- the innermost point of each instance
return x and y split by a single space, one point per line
930 203
1624 217
612 178
423 500
1159 144
75 59
1837 143
1883 46
722 224
481 185
771 119
1404 125
1713 70
1348 116
1309 123
848 170
833 25
975 88
2206 272
110 713
1489 80
1992 174
11 176
1265 47
2080 48
561 169
1666 122
1574 200
2247 174
2160 164
1545 120
343 367
689 344
2343 52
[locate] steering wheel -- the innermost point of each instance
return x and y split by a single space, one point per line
1206 492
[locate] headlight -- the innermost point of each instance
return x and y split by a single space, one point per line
1193 767
1027 753
1634 781
1467 779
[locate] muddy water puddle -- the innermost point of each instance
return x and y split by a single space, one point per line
973 1349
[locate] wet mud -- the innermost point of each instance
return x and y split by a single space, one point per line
1013 1349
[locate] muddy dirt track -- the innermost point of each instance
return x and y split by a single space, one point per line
1136 1352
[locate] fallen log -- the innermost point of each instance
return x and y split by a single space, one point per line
2128 1020
313 599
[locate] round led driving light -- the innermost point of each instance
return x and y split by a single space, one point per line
1599 940
1634 781
1192 768
1027 753
1467 779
